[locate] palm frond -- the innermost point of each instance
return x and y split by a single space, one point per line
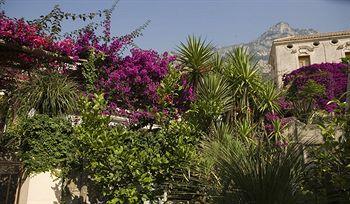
196 56
50 94
217 63
214 88
242 72
246 173
269 96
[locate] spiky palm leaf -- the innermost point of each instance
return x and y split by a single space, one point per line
242 68
217 63
214 98
196 56
252 174
213 88
51 94
242 72
269 96
246 130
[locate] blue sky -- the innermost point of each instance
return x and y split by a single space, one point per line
224 22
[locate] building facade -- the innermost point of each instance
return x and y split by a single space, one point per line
290 53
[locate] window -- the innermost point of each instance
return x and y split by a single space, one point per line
347 54
304 61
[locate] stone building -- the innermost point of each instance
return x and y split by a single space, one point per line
290 53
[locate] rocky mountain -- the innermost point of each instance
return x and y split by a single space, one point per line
262 45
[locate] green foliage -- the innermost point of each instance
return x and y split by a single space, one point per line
196 56
4 106
268 98
89 69
329 177
345 60
52 22
91 112
121 163
304 99
214 98
217 62
42 143
234 92
51 94
310 90
126 166
170 88
242 72
244 173
170 82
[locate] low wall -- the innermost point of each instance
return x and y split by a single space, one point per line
306 133
42 188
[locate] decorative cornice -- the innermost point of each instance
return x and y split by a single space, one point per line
344 46
319 36
305 49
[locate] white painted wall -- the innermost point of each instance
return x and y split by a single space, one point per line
42 188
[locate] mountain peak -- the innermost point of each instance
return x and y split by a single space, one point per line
281 27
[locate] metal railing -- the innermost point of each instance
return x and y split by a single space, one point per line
10 179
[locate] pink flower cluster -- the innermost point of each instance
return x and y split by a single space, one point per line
130 83
131 87
18 31
332 76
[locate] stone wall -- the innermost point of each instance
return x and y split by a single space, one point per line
306 133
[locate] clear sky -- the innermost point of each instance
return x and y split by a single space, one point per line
224 22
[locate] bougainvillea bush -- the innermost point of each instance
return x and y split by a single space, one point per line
329 77
130 83
133 86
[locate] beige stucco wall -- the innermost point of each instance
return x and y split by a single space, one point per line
286 60
42 188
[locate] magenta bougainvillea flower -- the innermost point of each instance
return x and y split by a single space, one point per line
332 76
131 87
130 83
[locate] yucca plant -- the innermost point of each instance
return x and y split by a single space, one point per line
269 95
243 172
217 62
196 56
51 94
214 98
242 72
253 97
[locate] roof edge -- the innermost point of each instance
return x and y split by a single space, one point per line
304 38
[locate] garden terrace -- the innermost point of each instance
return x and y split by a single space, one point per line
128 125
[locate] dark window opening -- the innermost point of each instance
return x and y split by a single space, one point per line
334 41
304 60
347 54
